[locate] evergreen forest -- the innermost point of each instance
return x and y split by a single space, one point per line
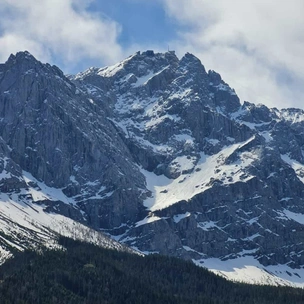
87 274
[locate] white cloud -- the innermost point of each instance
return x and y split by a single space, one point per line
57 29
257 45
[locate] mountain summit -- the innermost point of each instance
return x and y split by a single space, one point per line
159 154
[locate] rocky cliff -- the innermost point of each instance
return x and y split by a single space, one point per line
158 153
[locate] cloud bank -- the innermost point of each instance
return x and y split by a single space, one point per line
58 29
257 45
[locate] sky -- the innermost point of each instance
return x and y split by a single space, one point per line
256 45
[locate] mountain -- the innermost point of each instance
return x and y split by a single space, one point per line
160 155
39 137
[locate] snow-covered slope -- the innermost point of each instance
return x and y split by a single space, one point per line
248 270
26 223
208 168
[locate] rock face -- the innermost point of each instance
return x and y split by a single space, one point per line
158 153
64 139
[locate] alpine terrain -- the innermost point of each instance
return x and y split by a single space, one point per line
158 154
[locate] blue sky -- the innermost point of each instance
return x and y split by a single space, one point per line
257 46
144 22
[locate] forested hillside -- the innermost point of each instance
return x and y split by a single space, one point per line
85 273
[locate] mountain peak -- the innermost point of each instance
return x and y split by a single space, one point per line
25 63
189 57
25 54
21 56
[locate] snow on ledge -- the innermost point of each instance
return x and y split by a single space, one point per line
247 269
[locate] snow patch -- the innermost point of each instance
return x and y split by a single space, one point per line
267 136
178 217
143 80
295 165
208 170
289 215
148 219
248 270
45 192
